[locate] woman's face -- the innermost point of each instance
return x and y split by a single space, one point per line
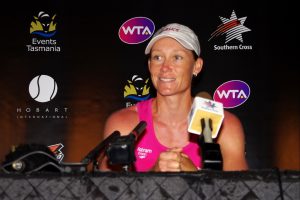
171 67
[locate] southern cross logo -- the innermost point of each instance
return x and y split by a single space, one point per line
232 27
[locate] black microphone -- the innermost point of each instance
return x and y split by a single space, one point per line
136 132
121 151
94 153
211 152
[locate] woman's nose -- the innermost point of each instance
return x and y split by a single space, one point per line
166 66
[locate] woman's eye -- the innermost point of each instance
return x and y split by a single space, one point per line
156 57
178 57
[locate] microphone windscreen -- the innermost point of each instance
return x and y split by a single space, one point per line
205 108
204 94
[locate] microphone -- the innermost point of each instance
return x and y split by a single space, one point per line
206 117
121 150
206 124
138 129
94 153
204 94
204 107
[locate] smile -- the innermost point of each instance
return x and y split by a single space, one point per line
167 79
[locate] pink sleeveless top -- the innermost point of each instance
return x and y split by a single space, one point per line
148 147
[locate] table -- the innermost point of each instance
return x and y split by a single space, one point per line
205 184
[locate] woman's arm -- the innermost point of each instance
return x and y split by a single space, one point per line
123 121
232 143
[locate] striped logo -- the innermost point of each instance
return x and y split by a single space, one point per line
232 27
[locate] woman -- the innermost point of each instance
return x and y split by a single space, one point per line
166 145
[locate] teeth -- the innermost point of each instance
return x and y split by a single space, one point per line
166 79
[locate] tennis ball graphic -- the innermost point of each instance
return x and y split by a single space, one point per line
42 88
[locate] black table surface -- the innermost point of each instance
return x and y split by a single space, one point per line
205 184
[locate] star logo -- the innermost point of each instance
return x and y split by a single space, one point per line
210 105
232 27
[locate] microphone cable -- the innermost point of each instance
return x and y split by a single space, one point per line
279 179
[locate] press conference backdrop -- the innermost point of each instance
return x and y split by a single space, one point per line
59 83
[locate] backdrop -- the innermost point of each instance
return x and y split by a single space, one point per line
64 69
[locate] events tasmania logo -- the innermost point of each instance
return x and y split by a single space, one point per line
232 93
136 89
136 30
43 30
233 28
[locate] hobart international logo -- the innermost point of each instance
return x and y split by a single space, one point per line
42 89
136 30
233 28
232 93
137 89
43 30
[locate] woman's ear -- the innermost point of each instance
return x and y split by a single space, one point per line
149 63
198 66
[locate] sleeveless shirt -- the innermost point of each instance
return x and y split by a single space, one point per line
148 148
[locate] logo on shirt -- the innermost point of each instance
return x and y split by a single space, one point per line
142 153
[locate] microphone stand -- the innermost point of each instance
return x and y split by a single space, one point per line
93 155
211 152
121 150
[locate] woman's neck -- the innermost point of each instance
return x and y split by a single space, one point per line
173 109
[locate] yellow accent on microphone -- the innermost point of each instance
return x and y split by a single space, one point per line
208 109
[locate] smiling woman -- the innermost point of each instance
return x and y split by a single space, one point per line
172 69
166 145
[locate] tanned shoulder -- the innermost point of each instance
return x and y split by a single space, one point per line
123 120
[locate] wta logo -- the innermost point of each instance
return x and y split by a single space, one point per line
136 30
232 93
